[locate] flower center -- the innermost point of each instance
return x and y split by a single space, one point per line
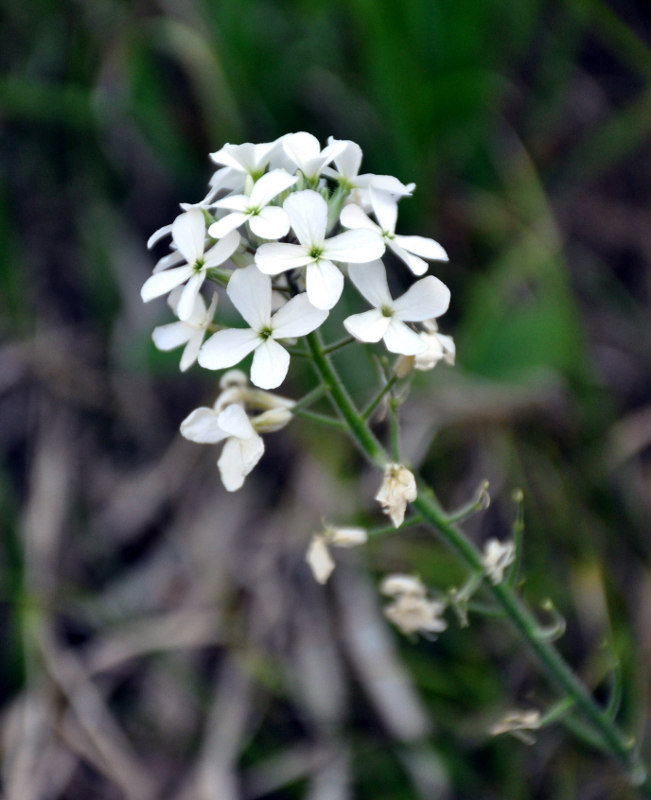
265 333
386 311
198 265
316 253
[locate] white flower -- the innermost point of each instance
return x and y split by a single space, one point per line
304 151
188 233
265 221
411 249
426 298
243 448
246 159
308 215
398 488
190 333
411 610
250 292
318 555
347 164
497 556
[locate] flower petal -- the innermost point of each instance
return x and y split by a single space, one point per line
167 337
296 318
191 351
369 326
227 224
271 223
423 247
237 459
308 216
163 282
415 264
324 284
234 202
352 216
349 160
224 249
228 347
399 338
202 426
235 422
188 298
250 293
385 208
270 365
270 186
158 235
319 559
277 257
358 247
371 282
425 299
301 147
188 233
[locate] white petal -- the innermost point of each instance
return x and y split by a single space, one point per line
296 318
227 224
425 299
234 421
231 467
271 223
415 264
163 282
324 284
385 209
234 202
423 247
270 365
270 186
228 347
371 281
191 351
401 339
352 216
188 232
170 260
319 559
188 297
385 183
202 426
308 216
367 327
167 337
158 235
224 249
276 257
348 161
358 246
301 147
250 293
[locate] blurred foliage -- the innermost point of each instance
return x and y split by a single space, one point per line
526 128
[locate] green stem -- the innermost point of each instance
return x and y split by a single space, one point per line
338 345
618 744
370 408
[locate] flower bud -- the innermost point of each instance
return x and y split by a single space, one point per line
272 420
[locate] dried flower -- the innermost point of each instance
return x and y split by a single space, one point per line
398 488
497 556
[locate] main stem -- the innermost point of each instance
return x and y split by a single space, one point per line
557 670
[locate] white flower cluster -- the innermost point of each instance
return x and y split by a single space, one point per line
282 226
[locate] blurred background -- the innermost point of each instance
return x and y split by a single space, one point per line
162 639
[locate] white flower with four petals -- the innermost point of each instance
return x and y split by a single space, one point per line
190 333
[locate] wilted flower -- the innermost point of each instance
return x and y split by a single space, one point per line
398 488
497 556
318 555
411 610
519 723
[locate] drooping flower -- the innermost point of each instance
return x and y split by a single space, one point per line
426 298
250 292
398 488
411 610
190 333
243 448
410 249
188 234
496 557
519 723
265 221
318 555
308 215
